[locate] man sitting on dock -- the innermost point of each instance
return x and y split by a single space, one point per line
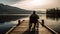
33 20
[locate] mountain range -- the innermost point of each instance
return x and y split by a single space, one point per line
6 9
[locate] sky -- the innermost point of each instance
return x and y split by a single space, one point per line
32 4
9 2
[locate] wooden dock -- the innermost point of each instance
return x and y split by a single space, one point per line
23 29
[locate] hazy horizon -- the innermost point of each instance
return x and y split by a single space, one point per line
32 4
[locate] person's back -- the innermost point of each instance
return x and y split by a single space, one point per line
34 18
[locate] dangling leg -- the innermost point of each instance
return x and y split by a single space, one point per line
34 25
37 26
30 25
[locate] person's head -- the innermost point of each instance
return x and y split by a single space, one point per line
34 12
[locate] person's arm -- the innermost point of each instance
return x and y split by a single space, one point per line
37 16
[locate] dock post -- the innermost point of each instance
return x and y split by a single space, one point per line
42 22
19 22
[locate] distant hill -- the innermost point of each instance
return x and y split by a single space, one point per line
6 9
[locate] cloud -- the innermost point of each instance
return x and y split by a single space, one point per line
40 4
8 2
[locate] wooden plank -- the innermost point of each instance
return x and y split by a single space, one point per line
23 29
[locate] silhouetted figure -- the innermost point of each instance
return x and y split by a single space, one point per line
33 20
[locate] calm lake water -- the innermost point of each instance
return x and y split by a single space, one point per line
8 21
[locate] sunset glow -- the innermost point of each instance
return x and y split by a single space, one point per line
35 4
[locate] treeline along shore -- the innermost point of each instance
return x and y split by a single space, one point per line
53 13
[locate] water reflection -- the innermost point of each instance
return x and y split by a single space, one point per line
8 21
53 16
4 27
54 21
7 18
